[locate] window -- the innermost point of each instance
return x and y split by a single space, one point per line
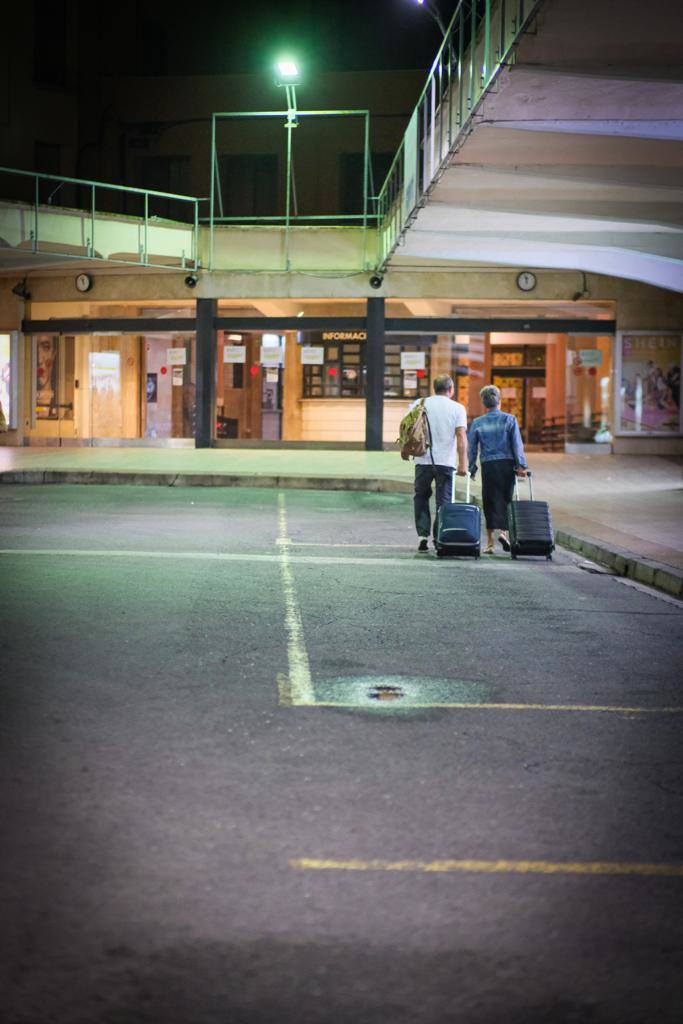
166 174
343 373
249 185
351 179
152 48
49 42
47 158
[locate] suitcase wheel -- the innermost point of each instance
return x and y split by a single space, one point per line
548 558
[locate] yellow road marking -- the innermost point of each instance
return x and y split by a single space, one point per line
517 867
297 688
466 705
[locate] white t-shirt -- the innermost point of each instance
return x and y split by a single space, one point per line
444 416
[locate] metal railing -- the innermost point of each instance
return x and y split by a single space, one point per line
477 45
87 250
291 216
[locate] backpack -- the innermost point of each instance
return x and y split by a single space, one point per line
414 434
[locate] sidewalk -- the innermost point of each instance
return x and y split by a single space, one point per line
623 511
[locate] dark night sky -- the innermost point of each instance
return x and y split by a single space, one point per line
339 35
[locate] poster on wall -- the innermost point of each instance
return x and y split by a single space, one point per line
650 383
5 380
177 378
151 389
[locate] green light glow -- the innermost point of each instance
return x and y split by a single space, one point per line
287 69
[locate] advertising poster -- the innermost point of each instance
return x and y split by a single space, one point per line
46 377
5 357
650 386
151 391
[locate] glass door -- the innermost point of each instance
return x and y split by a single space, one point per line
589 390
106 406
168 386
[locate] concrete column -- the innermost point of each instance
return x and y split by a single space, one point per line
374 382
206 363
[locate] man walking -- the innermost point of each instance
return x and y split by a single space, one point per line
448 432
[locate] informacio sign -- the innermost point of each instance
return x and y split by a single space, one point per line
356 337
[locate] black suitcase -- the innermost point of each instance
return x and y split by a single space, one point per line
458 526
530 526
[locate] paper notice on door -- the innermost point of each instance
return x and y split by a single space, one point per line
272 356
312 355
412 360
176 356
410 380
177 378
538 392
235 354
272 376
508 392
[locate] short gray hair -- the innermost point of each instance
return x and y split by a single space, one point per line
442 384
490 396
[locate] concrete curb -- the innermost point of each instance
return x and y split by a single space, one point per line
375 485
624 563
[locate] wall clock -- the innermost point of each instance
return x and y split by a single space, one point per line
84 282
526 281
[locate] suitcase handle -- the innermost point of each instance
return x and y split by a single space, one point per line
467 488
531 491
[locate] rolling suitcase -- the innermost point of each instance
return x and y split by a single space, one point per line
530 526
458 526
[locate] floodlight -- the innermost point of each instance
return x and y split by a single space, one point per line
287 72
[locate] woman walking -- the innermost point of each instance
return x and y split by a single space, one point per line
496 436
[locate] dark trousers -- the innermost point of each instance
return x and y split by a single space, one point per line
497 487
424 475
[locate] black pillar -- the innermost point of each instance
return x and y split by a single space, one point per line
374 382
206 372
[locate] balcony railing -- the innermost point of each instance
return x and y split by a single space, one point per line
478 43
66 217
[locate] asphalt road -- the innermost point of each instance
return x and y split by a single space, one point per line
260 762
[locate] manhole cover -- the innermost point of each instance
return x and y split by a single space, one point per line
386 693
399 693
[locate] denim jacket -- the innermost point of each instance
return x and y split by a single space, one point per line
496 436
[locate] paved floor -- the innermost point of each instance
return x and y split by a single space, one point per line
631 502
261 762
